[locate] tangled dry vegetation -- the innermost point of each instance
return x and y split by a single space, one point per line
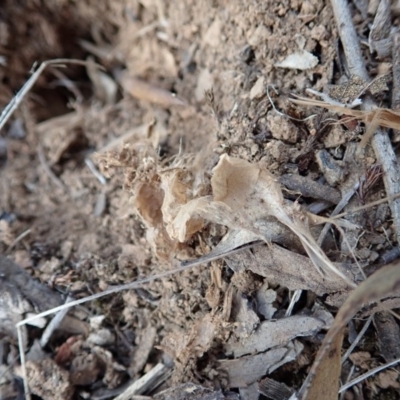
199 200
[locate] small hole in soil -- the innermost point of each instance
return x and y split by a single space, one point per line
248 55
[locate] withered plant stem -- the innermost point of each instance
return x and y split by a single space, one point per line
386 157
380 141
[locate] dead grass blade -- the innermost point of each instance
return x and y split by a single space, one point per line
379 285
379 116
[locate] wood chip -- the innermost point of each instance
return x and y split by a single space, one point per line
388 333
275 390
249 369
288 269
275 333
310 188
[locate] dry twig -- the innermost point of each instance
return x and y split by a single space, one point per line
148 381
379 284
380 141
17 99
368 374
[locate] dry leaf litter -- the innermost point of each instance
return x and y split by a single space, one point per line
181 141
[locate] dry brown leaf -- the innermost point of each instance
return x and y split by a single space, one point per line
142 176
150 93
147 200
388 379
290 269
381 284
274 389
177 184
244 193
361 359
158 194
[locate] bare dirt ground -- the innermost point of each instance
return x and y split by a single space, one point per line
177 141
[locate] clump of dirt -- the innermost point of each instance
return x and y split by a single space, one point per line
178 141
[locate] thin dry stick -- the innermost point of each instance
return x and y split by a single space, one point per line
369 205
68 84
358 338
339 207
95 172
368 374
352 369
396 73
17 99
216 254
147 381
351 249
48 170
380 141
21 349
17 240
280 112
113 289
53 325
295 298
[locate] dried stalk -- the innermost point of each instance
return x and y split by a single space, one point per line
386 157
380 141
